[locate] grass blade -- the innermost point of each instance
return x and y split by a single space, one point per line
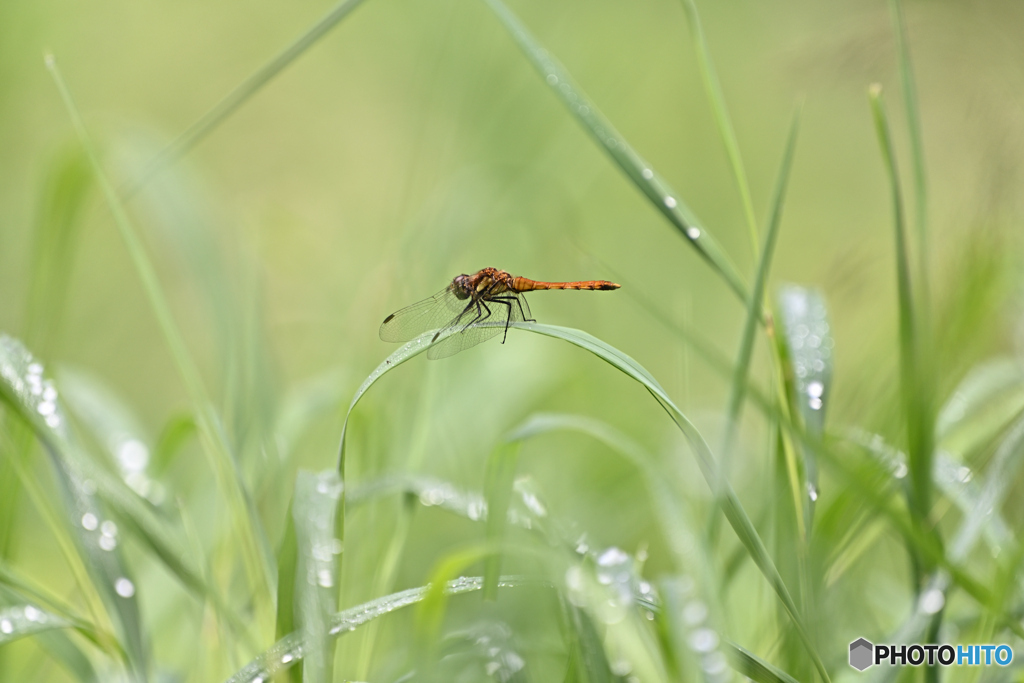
916 146
713 88
806 343
754 307
258 561
654 187
315 506
289 650
21 621
919 431
501 471
35 400
240 95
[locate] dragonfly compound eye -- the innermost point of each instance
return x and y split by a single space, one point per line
461 287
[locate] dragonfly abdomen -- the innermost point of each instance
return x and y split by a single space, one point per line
523 284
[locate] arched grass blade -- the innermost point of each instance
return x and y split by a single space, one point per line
240 95
20 621
654 187
731 506
289 650
314 508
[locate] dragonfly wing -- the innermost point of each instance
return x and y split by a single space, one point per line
442 310
460 341
503 309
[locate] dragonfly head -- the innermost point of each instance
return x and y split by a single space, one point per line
462 287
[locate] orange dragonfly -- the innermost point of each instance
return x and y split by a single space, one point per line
472 309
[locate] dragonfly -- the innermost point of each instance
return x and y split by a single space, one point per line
472 309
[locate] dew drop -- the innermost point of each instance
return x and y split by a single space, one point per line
32 614
900 471
124 587
815 389
552 79
324 578
89 521
670 202
812 492
287 658
693 233
815 403
647 173
932 601
6 626
108 543
108 528
695 613
704 640
46 408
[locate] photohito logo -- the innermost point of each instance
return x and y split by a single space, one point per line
864 653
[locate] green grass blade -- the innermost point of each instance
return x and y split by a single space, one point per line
501 472
919 431
258 561
741 370
713 88
916 146
753 667
654 187
240 95
315 505
288 650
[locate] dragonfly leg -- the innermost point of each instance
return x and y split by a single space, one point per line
479 315
507 301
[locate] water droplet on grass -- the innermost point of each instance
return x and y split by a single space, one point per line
124 587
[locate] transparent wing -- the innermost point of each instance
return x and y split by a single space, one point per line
476 326
438 312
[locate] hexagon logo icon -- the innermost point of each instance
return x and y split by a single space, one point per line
861 652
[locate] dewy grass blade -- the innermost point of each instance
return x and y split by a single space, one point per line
754 307
35 399
136 516
806 343
716 97
314 507
258 561
731 505
290 649
239 96
640 172
919 428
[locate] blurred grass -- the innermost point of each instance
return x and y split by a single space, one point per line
413 143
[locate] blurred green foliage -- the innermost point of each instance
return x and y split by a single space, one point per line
415 141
